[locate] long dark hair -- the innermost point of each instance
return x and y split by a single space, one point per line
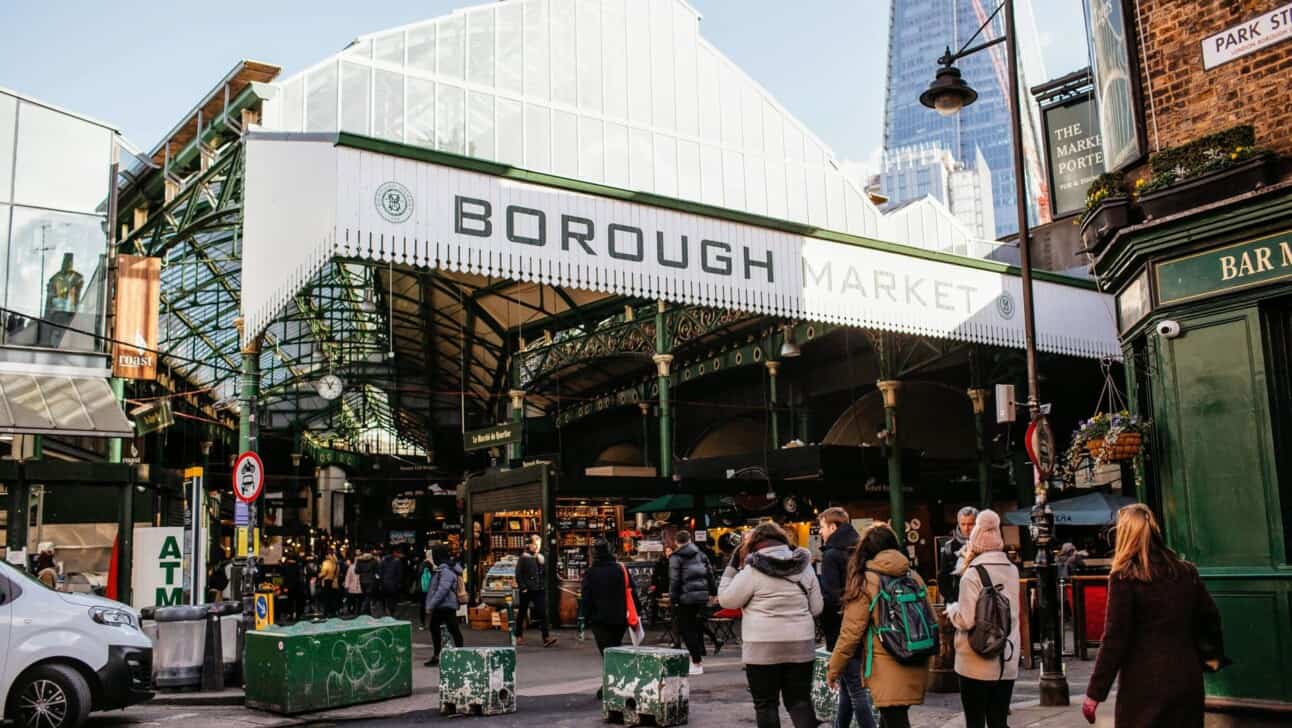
877 538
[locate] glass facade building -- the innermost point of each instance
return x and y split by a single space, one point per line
919 33
54 184
620 92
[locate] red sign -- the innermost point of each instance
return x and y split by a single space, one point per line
1041 447
248 477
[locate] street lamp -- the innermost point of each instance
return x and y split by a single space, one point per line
947 94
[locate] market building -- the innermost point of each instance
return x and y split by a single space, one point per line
488 272
1192 234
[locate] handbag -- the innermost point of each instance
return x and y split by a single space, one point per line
635 630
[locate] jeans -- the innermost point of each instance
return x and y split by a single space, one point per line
533 604
389 602
607 635
690 629
985 702
854 700
449 618
791 683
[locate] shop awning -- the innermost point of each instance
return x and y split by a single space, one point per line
1092 509
40 404
675 502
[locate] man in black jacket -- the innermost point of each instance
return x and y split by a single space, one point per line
691 583
948 580
390 573
533 592
838 542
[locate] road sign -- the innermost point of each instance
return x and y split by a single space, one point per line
498 435
248 477
241 514
1041 447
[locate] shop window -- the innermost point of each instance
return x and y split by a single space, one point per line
1277 325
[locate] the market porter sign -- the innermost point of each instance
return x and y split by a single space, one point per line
1233 267
1076 152
1260 32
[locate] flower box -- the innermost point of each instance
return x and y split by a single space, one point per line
1107 217
1125 447
1210 187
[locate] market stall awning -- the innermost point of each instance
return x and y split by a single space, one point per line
1091 509
36 404
675 502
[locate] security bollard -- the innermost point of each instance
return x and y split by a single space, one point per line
824 700
478 681
640 682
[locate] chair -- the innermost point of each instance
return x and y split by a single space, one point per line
723 622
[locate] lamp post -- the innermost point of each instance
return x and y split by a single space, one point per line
947 94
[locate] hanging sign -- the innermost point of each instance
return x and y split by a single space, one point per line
1222 270
248 477
1245 38
495 436
1041 448
153 417
1075 150
138 292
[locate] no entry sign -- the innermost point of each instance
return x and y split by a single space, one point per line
248 477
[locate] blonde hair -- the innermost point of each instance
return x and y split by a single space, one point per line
1140 546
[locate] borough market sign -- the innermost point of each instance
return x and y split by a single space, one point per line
309 200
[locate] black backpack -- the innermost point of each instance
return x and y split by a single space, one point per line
902 619
992 620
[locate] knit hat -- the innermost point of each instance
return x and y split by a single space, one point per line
985 535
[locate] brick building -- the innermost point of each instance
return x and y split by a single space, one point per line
1195 241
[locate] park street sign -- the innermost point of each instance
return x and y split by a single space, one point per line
1260 32
495 436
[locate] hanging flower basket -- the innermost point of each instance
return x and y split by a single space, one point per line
1125 447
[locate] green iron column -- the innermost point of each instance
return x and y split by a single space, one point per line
517 449
896 497
978 396
248 442
663 364
20 494
774 415
125 507
645 410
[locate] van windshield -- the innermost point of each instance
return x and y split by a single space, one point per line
15 574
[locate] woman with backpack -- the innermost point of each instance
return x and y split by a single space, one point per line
1163 631
986 622
775 587
877 568
443 596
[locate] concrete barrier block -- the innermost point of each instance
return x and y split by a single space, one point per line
645 681
478 681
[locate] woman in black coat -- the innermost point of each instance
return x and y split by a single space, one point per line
1161 633
605 606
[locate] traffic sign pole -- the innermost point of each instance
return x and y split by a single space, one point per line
248 442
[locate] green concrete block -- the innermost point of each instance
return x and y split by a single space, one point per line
645 681
825 700
478 681
322 665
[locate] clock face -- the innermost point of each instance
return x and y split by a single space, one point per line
330 387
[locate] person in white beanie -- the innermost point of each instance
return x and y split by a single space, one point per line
986 682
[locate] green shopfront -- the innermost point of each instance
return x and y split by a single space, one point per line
1204 304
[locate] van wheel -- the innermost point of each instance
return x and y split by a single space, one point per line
52 696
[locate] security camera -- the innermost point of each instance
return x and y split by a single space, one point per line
1168 329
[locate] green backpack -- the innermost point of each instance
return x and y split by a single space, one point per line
902 619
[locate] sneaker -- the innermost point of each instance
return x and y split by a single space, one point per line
520 641
697 668
549 641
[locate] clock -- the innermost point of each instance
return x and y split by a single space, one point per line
330 387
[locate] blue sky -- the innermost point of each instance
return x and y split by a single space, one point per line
140 64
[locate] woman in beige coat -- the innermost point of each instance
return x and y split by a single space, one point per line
986 683
894 687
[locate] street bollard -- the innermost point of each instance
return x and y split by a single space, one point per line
824 700
645 682
478 681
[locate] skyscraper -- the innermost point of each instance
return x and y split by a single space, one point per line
919 32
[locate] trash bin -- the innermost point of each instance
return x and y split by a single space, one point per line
231 636
181 645
148 625
328 664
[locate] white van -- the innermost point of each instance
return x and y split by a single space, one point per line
64 655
